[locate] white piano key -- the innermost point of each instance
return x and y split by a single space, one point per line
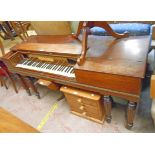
55 69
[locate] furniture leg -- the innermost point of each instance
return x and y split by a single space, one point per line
8 31
13 83
153 48
24 84
107 105
131 114
5 84
1 82
2 48
32 86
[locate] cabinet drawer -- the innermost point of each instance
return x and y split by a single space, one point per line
79 100
86 108
86 113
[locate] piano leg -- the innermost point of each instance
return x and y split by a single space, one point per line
32 86
24 84
107 105
131 114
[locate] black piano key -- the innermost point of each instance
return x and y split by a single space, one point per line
26 62
69 69
22 61
47 66
60 68
66 69
54 67
43 65
35 64
51 66
38 64
31 63
72 70
63 68
57 67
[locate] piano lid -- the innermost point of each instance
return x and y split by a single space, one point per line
125 56
66 45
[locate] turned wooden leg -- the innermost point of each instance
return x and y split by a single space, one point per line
24 84
3 81
107 105
13 83
2 48
32 86
131 114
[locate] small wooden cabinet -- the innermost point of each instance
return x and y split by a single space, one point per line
85 104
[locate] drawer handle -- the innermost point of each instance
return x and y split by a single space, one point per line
79 100
84 113
81 107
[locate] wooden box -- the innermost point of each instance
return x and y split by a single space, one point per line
85 104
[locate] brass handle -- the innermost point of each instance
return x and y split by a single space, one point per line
79 100
84 113
81 107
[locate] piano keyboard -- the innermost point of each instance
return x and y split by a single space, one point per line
58 69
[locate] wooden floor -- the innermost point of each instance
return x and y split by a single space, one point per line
10 123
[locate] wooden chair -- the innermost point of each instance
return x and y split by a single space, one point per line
7 31
21 29
4 73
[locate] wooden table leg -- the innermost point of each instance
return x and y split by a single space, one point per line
107 105
32 86
131 114
24 84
